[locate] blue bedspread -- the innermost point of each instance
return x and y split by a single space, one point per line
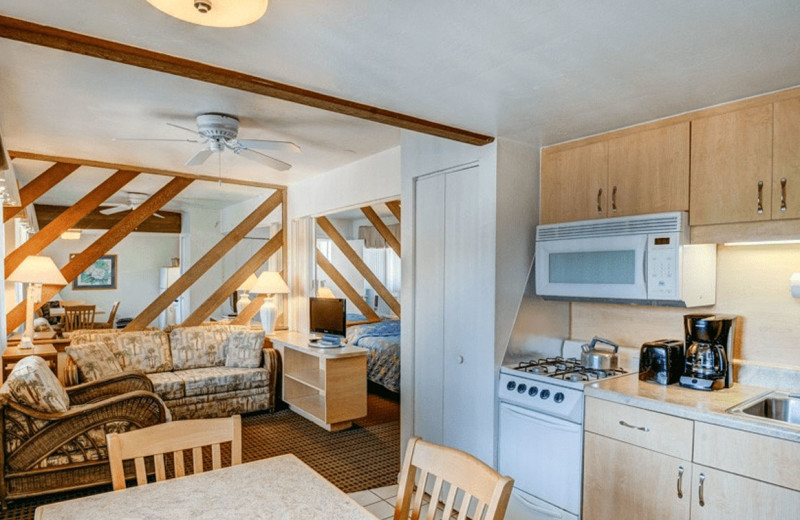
382 339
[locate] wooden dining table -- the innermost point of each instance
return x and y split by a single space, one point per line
280 487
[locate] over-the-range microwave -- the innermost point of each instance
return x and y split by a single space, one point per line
641 259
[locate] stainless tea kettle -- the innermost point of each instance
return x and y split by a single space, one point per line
599 359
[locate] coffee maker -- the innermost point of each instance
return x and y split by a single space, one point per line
709 351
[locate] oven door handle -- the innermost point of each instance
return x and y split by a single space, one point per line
539 509
560 425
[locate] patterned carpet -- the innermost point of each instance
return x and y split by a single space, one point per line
363 457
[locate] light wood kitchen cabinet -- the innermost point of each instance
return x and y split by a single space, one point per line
648 172
574 183
786 156
731 165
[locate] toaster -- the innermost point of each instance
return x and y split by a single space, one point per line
661 361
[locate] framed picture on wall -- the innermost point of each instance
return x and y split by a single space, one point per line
100 275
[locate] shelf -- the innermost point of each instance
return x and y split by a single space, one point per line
311 404
312 377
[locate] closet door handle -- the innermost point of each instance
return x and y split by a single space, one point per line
760 192
599 206
783 194
700 490
614 200
680 481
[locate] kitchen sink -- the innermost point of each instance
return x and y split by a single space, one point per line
775 406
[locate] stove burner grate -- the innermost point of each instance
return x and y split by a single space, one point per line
567 369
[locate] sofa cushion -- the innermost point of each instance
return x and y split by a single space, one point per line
167 385
199 347
94 360
33 384
243 348
215 380
145 351
104 336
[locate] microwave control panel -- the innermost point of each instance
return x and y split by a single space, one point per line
662 266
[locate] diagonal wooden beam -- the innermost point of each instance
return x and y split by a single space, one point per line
51 37
394 207
382 228
38 187
246 315
68 219
218 297
358 263
99 247
205 263
344 286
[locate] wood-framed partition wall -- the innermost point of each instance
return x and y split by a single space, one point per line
127 223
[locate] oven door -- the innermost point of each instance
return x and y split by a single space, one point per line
543 454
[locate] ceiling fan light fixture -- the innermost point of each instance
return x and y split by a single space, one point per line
214 13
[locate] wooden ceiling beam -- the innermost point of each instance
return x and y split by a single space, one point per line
39 186
16 316
17 154
224 291
341 282
359 264
28 32
48 233
382 228
205 263
394 207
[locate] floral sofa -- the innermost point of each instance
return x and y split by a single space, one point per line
204 371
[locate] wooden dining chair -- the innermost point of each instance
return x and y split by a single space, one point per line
78 317
173 437
111 315
474 487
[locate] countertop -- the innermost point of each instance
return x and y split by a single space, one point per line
707 407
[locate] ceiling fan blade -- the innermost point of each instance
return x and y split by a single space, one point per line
266 160
195 132
199 158
263 144
159 215
163 140
116 208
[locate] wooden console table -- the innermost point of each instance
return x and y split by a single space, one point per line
327 386
12 355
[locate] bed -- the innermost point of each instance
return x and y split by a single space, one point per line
382 340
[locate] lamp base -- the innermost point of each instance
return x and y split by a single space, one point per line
269 315
25 342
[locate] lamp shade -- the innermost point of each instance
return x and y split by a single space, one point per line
213 13
38 269
325 292
248 284
270 282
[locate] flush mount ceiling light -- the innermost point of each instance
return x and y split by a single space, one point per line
214 13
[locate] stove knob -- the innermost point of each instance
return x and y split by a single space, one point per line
511 385
521 388
533 391
559 397
544 394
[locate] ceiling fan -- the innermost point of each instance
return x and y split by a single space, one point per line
134 201
218 132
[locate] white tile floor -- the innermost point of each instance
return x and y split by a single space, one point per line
380 502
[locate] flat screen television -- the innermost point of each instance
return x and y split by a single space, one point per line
328 316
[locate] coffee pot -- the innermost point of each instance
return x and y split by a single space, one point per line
709 351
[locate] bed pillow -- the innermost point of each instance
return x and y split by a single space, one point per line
32 384
94 360
243 349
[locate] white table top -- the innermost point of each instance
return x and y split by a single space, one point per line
280 488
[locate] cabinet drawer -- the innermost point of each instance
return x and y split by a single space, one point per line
651 430
748 454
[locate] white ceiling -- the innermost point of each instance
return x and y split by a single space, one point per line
532 71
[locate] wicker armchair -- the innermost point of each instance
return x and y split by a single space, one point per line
51 452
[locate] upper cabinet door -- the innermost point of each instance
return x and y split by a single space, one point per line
648 172
786 170
731 177
574 183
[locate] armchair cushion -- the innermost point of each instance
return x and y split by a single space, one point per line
243 349
33 384
94 360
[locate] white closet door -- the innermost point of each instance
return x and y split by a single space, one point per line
429 237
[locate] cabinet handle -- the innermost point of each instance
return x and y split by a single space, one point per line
460 359
614 199
760 190
680 481
640 428
783 194
700 489
599 194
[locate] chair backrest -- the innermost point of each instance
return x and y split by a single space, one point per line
112 315
473 486
78 317
173 437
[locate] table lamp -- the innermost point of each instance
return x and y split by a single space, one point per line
325 292
269 283
35 271
244 293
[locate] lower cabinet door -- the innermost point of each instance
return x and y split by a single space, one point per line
624 481
718 494
522 506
